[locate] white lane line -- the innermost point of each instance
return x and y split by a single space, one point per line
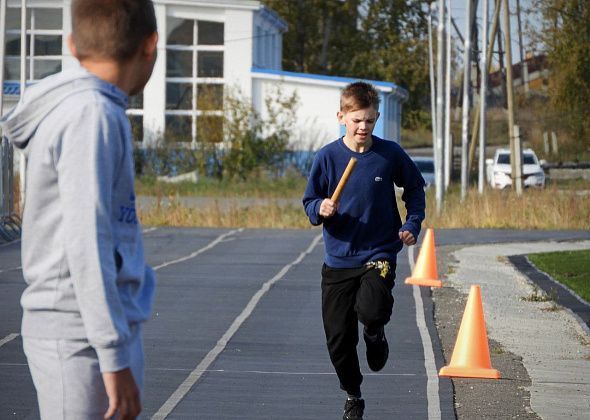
148 230
194 376
429 364
8 338
10 269
200 251
10 243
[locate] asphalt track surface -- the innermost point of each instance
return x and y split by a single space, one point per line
236 331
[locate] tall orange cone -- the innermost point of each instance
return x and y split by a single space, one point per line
471 355
425 272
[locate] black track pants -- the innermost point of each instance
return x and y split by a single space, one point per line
350 295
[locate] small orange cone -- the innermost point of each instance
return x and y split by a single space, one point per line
471 355
425 272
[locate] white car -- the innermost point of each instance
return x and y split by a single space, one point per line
499 170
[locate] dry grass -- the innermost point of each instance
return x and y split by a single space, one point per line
548 208
256 216
536 209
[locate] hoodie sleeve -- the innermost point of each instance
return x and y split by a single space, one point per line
87 160
315 192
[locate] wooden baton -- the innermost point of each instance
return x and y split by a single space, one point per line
343 180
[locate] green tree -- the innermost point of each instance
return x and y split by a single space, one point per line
369 39
565 33
319 34
393 46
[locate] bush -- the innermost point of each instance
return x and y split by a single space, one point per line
253 145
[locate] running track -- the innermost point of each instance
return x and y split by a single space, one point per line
236 331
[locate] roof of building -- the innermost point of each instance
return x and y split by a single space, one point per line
237 4
254 5
322 79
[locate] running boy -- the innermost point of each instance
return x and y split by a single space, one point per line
362 234
89 289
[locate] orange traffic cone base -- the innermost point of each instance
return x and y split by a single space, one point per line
471 355
424 282
469 372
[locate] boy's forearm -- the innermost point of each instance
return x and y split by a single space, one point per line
415 203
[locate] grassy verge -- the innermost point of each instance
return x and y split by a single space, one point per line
571 268
286 187
550 208
261 215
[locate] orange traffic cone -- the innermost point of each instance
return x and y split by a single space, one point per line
471 355
425 272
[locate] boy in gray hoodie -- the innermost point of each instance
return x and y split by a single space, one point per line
89 289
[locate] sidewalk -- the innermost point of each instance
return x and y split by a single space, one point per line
554 347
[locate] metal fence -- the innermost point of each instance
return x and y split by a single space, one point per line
9 220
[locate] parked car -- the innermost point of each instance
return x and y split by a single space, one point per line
426 166
499 169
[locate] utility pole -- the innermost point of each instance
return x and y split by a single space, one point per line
438 149
523 61
466 81
448 146
476 116
515 158
482 98
502 67
432 86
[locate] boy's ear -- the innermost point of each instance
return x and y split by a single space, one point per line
150 45
340 116
72 46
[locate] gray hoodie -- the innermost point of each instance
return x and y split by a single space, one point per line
82 249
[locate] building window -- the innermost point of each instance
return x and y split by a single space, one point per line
194 81
43 43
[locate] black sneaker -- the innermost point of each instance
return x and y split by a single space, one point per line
377 351
354 409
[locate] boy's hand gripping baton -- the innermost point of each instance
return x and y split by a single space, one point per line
342 183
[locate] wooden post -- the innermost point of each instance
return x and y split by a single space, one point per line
515 158
554 142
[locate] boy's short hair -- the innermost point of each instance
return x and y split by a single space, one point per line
111 29
359 95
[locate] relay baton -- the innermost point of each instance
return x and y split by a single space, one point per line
342 183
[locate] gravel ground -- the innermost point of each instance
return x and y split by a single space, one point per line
540 350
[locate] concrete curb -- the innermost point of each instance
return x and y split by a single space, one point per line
565 296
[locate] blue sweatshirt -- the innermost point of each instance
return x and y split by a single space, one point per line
82 249
367 224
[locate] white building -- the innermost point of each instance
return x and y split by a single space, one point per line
204 48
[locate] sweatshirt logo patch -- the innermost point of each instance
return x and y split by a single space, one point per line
128 214
378 179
